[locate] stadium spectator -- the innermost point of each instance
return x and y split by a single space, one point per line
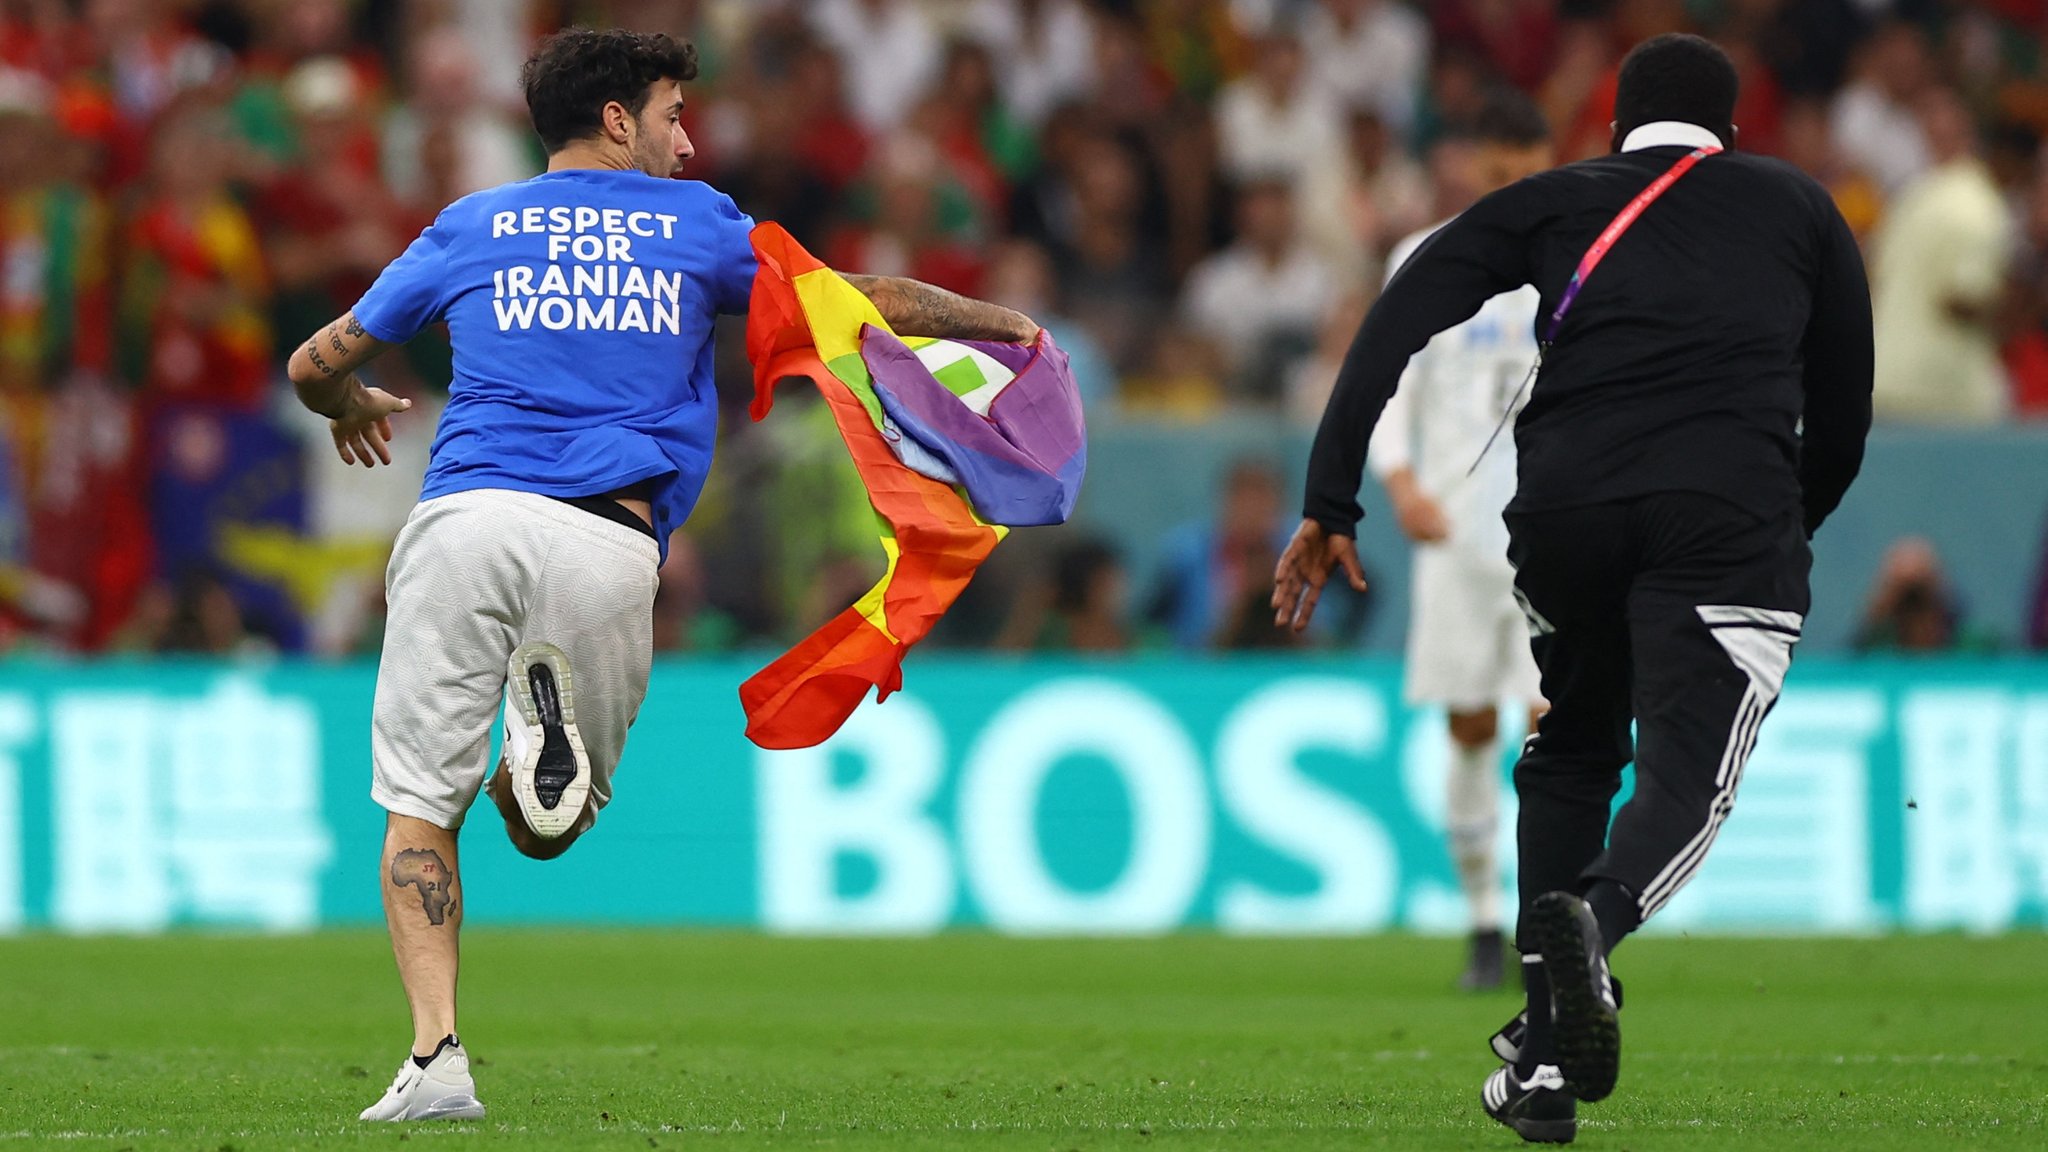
1211 566
1198 43
1458 82
769 171
449 139
1263 299
832 142
2026 320
150 56
1274 124
206 620
147 627
1913 609
195 291
888 51
1044 52
1371 54
1113 275
1192 192
824 557
919 222
1876 118
88 526
55 313
329 222
499 33
1353 211
985 145
1136 79
1804 142
1939 262
1042 204
1078 606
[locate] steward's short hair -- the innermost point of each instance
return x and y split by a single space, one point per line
574 73
1677 77
1511 118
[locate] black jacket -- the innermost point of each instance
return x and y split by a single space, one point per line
1732 311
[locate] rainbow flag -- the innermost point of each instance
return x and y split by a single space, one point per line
956 442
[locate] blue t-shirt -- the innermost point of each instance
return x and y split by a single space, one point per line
580 305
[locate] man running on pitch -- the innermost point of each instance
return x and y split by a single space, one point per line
1701 408
577 436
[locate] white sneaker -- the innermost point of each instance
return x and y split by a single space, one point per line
443 1090
543 750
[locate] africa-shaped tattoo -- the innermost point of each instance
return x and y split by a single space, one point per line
422 868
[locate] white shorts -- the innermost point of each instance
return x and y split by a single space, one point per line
1468 642
473 576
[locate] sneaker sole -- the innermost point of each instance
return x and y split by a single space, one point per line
451 1108
547 718
1585 1030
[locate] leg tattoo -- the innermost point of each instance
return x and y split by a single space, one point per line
421 868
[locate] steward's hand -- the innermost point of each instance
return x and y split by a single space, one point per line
1303 570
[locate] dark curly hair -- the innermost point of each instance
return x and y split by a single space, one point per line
1677 77
574 73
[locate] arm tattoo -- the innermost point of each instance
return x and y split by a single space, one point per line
334 338
355 326
421 868
313 354
914 308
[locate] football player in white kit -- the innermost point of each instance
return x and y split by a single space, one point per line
1468 646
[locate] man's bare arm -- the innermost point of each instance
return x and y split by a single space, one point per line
914 308
323 368
323 371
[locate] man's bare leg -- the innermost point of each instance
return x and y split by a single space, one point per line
423 907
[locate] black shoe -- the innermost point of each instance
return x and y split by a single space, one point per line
1487 968
1540 1108
1585 1029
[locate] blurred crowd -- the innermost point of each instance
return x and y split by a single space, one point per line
1197 195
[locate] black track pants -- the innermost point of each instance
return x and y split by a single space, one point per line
1677 612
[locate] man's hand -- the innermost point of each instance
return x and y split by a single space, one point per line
363 429
1421 518
1303 570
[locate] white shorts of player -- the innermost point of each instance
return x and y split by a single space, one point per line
1468 643
473 576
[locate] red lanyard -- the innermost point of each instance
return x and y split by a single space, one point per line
1619 225
1587 263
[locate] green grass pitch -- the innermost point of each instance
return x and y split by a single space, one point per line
634 1040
